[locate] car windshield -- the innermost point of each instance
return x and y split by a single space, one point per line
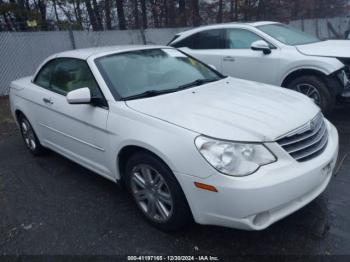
288 35
151 72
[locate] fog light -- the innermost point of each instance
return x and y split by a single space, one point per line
261 218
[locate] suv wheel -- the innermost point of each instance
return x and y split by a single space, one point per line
156 192
315 88
30 139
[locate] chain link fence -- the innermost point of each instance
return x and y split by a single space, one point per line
22 52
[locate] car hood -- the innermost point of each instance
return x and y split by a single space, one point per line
330 48
232 109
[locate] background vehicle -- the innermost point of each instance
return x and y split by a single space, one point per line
186 141
276 54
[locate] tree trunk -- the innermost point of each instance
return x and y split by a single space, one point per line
220 13
155 13
236 10
91 15
96 10
56 14
108 14
22 15
261 10
136 14
6 20
182 12
296 7
77 12
121 15
195 13
42 9
171 13
144 14
16 18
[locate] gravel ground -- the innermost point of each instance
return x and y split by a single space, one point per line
52 206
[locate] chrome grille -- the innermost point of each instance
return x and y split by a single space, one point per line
308 141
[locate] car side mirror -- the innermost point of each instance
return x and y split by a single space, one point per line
79 96
261 45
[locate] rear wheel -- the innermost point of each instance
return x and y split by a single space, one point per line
315 88
30 139
156 192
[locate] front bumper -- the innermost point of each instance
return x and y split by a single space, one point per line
272 193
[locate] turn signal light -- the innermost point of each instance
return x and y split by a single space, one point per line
205 187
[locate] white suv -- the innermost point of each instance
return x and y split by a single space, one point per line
276 54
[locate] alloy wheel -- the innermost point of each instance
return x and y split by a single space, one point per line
28 135
151 193
310 91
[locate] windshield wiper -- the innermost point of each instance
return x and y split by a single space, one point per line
197 82
151 93
145 94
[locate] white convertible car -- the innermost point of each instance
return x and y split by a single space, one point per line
186 141
276 54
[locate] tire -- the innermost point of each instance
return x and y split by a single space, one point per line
29 137
315 88
156 192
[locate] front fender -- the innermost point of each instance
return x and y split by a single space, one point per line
171 143
324 65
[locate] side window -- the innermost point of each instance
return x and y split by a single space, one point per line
186 42
210 39
70 74
43 78
240 38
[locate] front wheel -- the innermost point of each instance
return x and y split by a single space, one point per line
315 88
156 192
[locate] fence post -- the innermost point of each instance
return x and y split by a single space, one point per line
71 37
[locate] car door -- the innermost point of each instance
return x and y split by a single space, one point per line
78 130
239 60
206 46
37 101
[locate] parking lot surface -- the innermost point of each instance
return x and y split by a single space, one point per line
50 205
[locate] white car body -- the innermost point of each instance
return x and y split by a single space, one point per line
328 59
167 125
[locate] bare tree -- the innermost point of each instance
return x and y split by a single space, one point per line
42 10
7 19
182 12
108 14
91 14
220 12
171 13
136 13
196 20
77 12
144 14
155 9
97 15
56 14
121 15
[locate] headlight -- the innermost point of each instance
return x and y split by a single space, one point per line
343 77
234 159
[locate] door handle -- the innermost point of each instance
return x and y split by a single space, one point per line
229 59
48 101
